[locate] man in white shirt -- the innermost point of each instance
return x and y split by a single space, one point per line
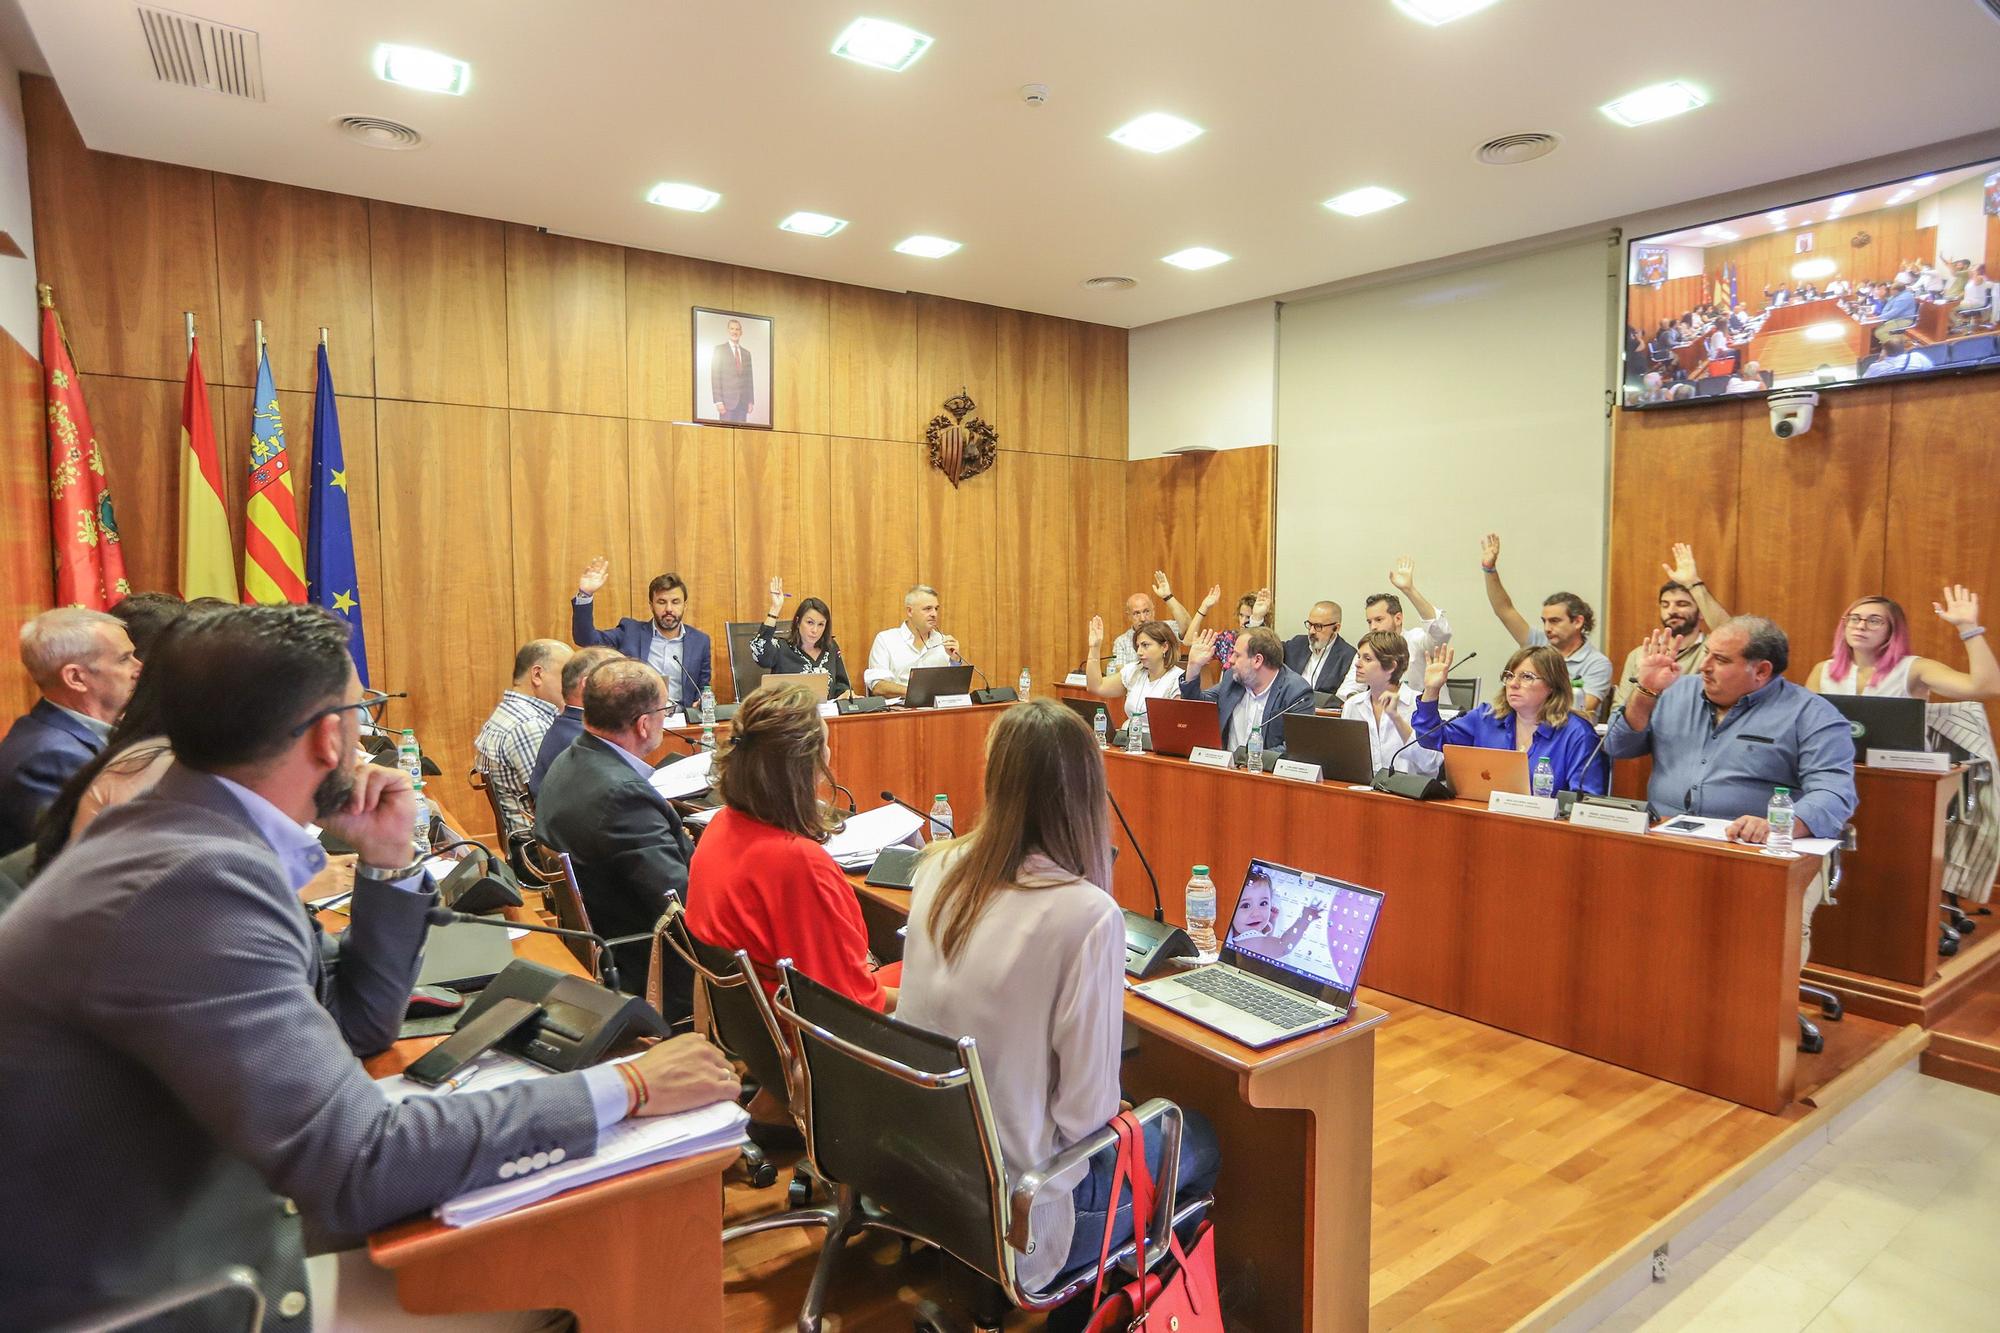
912 644
1747 380
1384 611
1140 610
1566 624
1897 358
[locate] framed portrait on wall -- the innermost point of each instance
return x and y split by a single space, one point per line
732 368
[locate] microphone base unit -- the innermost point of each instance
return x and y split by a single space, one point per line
1413 786
998 694
1151 946
1567 800
867 703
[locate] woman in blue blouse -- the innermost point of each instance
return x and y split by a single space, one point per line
1532 712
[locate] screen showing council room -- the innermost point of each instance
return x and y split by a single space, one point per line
1890 280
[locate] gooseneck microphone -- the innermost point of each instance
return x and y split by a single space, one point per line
849 795
1416 786
607 970
894 799
1159 910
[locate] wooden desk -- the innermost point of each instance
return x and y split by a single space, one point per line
1934 319
1886 921
1675 958
1296 1121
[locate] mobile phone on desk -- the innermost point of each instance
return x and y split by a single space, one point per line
472 1040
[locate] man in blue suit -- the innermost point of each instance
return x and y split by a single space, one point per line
83 664
1256 687
667 643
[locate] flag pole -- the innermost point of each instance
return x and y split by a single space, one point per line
322 335
260 339
190 330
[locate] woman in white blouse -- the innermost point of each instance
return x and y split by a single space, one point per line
1154 676
1014 941
1380 660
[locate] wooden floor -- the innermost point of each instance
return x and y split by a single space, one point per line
1505 1171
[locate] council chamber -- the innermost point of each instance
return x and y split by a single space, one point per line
996 667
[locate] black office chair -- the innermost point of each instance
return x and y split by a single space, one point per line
516 842
233 1285
17 868
1462 692
1811 1040
898 1121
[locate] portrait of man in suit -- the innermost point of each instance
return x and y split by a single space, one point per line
732 372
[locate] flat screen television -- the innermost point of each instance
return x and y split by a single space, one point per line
1890 280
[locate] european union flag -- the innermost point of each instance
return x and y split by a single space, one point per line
330 577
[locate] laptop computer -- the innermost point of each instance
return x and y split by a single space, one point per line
1339 745
1476 772
464 957
1881 724
1291 961
1176 726
1087 709
815 681
927 683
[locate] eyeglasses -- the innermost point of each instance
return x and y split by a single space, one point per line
1867 622
371 701
1322 624
1520 677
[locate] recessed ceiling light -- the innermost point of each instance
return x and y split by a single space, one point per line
1156 132
1439 12
926 247
1196 257
1359 203
687 198
1719 233
1922 181
1900 195
880 43
1840 205
812 224
414 67
1655 103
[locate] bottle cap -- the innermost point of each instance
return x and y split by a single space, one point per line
1201 870
938 797
1781 791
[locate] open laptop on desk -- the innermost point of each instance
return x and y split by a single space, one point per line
1176 726
1339 745
816 681
1881 724
927 683
1476 772
1279 979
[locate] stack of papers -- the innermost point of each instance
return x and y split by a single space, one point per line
625 1146
688 777
1714 830
856 846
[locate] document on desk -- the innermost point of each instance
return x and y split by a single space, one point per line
856 846
685 778
625 1146
1715 830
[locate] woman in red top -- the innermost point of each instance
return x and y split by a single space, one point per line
760 881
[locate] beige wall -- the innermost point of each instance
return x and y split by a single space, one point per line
1204 381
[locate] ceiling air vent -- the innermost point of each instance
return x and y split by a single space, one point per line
1511 150
375 132
196 53
1110 284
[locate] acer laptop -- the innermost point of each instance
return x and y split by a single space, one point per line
815 681
927 683
1339 745
1475 772
1290 969
1176 726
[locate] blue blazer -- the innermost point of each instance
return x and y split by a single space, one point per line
634 638
43 747
1286 691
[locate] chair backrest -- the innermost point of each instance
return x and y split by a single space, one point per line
567 899
740 1016
1463 692
477 777
901 1116
16 869
744 673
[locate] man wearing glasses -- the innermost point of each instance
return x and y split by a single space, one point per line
1320 654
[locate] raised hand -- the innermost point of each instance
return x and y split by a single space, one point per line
1960 608
1096 634
1489 551
1261 608
593 576
1437 669
1404 576
1162 589
1682 570
1201 650
777 595
1659 662
1208 602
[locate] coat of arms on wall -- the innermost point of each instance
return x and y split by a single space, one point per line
961 448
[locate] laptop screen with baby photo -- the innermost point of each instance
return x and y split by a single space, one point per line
1302 930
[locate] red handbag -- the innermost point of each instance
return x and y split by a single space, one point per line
1180 1295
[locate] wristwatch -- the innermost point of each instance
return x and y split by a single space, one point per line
362 870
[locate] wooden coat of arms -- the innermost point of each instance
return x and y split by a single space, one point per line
961 448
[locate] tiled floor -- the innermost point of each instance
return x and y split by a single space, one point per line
1889 1226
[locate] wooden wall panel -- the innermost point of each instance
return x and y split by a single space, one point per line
684 521
440 306
1031 398
958 347
1647 306
298 259
958 536
875 547
1035 602
1942 501
782 521
1664 467
449 631
1098 509
128 245
799 309
571 502
26 586
140 422
660 292
565 324
1205 519
872 369
1097 407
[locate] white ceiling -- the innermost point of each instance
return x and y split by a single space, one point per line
577 108
1793 217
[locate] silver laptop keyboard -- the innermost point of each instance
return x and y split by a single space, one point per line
1265 1002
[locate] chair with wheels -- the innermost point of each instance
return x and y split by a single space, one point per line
1811 1041
516 841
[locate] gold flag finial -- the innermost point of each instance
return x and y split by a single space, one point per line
47 294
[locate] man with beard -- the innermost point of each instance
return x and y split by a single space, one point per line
666 643
1687 609
179 1041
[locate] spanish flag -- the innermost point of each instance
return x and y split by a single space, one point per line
274 559
208 565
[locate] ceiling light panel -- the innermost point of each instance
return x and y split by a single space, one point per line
1156 132
1658 102
687 198
812 224
1195 258
428 71
1437 13
881 44
1360 203
926 247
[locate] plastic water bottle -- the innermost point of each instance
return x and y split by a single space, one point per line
941 822
1101 724
707 707
410 756
1545 777
1253 759
1025 684
708 737
421 832
1135 733
1200 911
1780 817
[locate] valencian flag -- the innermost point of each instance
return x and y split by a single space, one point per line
208 565
274 562
90 566
330 579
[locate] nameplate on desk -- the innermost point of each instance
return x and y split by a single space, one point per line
1201 754
1076 678
1911 761
1528 807
829 708
676 721
1296 770
1616 818
952 701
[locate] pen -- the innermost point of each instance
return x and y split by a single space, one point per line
459 1080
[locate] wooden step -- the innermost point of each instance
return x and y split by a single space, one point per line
1965 1040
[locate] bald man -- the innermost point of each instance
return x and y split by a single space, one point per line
1320 654
505 748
